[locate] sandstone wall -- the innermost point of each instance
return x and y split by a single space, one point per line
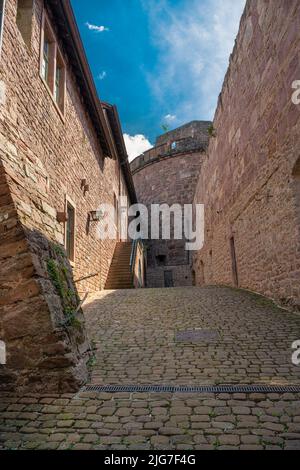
44 334
55 155
247 180
196 130
43 159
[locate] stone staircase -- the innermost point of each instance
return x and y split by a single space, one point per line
120 275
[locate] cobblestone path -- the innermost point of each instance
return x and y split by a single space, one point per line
134 333
135 336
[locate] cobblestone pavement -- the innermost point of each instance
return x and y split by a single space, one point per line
151 421
134 333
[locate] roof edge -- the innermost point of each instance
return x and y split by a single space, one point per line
64 10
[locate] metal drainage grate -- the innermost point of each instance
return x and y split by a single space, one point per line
194 389
197 336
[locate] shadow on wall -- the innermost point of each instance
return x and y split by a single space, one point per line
41 321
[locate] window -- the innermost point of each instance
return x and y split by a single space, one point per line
116 210
53 70
234 262
194 281
70 230
173 145
45 61
24 19
2 5
57 86
296 190
201 279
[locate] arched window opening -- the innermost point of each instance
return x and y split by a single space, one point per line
201 274
296 170
193 277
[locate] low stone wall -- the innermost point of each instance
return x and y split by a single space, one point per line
181 276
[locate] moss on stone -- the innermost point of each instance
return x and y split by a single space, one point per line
61 279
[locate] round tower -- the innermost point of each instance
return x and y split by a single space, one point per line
168 174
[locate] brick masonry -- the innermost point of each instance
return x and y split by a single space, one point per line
249 180
43 158
166 175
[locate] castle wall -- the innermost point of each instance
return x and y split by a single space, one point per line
248 179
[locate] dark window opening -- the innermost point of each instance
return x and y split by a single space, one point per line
138 227
201 274
234 262
161 260
24 19
193 278
70 232
296 190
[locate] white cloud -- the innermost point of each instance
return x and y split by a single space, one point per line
170 117
97 29
194 44
102 75
136 145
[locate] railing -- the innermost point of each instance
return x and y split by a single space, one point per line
135 245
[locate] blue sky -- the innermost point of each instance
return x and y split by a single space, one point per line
160 61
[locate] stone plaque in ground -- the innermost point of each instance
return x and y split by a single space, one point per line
196 336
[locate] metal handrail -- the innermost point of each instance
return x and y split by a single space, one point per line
134 250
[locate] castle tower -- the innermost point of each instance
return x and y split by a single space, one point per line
168 174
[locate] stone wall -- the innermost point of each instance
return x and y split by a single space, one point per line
195 130
170 178
40 321
247 180
44 158
55 155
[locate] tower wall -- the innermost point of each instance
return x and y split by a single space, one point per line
168 174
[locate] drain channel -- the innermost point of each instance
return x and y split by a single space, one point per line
194 389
